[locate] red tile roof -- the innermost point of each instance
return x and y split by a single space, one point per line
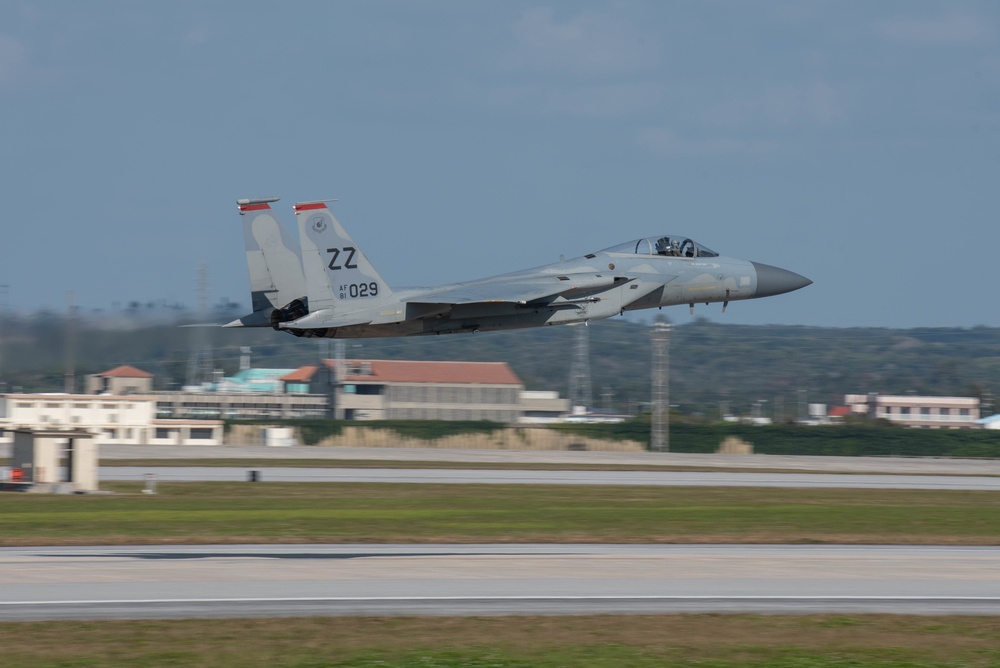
840 411
397 371
126 371
301 375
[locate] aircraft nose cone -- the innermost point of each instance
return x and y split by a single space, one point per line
775 280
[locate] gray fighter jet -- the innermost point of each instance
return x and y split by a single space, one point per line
325 286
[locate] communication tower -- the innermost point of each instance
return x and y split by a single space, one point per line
579 373
4 293
69 380
660 404
200 364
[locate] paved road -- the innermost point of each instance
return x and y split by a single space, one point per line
293 580
493 476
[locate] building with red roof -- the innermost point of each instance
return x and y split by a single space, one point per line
378 390
414 390
121 380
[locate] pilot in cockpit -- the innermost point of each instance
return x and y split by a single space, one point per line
668 246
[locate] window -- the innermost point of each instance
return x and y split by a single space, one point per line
163 433
201 433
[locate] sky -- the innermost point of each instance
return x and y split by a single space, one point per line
856 143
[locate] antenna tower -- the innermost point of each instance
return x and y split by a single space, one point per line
200 364
579 373
69 381
4 292
660 404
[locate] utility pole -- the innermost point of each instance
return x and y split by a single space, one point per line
660 405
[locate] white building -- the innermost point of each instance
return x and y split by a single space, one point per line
113 419
991 422
917 411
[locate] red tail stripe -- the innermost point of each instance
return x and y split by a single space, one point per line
311 206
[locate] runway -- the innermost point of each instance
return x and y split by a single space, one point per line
529 477
804 463
296 580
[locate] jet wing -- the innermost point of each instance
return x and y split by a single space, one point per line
541 289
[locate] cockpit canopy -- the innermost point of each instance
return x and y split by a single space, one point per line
668 245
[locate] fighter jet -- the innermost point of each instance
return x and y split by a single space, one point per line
325 286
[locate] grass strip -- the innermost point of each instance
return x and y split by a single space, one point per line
719 641
242 512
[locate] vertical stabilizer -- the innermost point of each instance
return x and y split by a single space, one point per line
272 256
274 263
338 275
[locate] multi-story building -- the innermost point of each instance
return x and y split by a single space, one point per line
113 419
364 390
369 390
410 390
120 380
918 411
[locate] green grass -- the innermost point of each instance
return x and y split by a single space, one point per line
362 512
716 641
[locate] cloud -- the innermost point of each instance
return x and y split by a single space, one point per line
664 142
13 58
816 102
954 29
588 43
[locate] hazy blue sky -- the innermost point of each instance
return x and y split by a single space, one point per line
857 143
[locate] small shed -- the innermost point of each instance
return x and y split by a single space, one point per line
55 460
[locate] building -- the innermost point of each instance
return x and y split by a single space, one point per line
991 422
120 380
411 390
113 419
542 407
369 390
242 405
918 411
366 390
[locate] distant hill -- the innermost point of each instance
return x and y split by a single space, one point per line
710 363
